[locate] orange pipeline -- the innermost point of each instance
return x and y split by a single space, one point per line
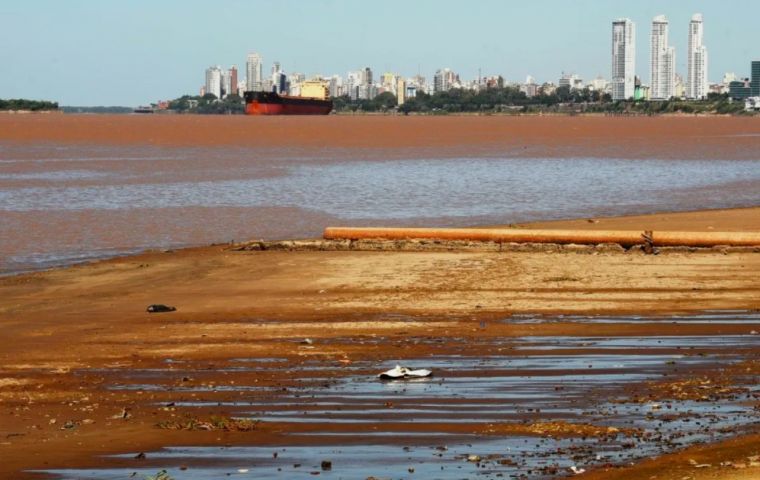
504 235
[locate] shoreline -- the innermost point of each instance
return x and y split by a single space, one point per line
720 219
87 323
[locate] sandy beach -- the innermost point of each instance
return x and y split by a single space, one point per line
73 331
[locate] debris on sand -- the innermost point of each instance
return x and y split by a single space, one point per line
162 475
558 429
577 470
400 372
125 414
226 424
160 308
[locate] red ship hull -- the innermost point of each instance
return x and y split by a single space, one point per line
266 103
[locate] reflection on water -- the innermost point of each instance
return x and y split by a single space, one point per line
105 189
427 428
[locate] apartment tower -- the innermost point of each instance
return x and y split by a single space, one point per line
232 74
623 59
253 72
696 80
662 61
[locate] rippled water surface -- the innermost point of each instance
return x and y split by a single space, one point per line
427 428
62 204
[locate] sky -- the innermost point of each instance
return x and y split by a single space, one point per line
133 52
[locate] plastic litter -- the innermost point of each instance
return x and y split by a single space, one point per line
577 470
160 308
400 372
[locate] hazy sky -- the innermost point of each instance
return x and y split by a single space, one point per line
130 52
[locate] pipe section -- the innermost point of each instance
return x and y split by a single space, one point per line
625 238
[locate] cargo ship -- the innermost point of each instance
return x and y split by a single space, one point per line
313 101
270 103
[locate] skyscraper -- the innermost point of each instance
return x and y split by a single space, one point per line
662 61
400 90
214 81
233 76
623 59
444 80
253 72
755 78
696 80
279 79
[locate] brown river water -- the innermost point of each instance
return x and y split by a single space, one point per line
61 204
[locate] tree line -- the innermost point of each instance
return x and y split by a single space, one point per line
208 104
25 104
510 99
507 99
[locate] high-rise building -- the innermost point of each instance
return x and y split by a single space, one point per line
740 89
253 72
232 74
444 80
353 82
388 82
599 84
696 79
571 81
400 90
225 82
214 81
335 86
623 59
679 90
279 79
756 78
419 84
662 61
438 80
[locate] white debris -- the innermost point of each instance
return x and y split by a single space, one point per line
577 470
404 372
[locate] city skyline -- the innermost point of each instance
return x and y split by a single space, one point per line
624 82
140 57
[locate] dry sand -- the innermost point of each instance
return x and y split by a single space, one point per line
82 318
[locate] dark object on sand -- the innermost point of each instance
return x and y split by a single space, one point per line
326 465
160 308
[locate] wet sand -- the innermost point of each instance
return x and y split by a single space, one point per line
79 348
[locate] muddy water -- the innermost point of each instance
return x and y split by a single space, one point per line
427 428
61 204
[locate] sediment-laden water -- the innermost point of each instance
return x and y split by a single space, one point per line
62 204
